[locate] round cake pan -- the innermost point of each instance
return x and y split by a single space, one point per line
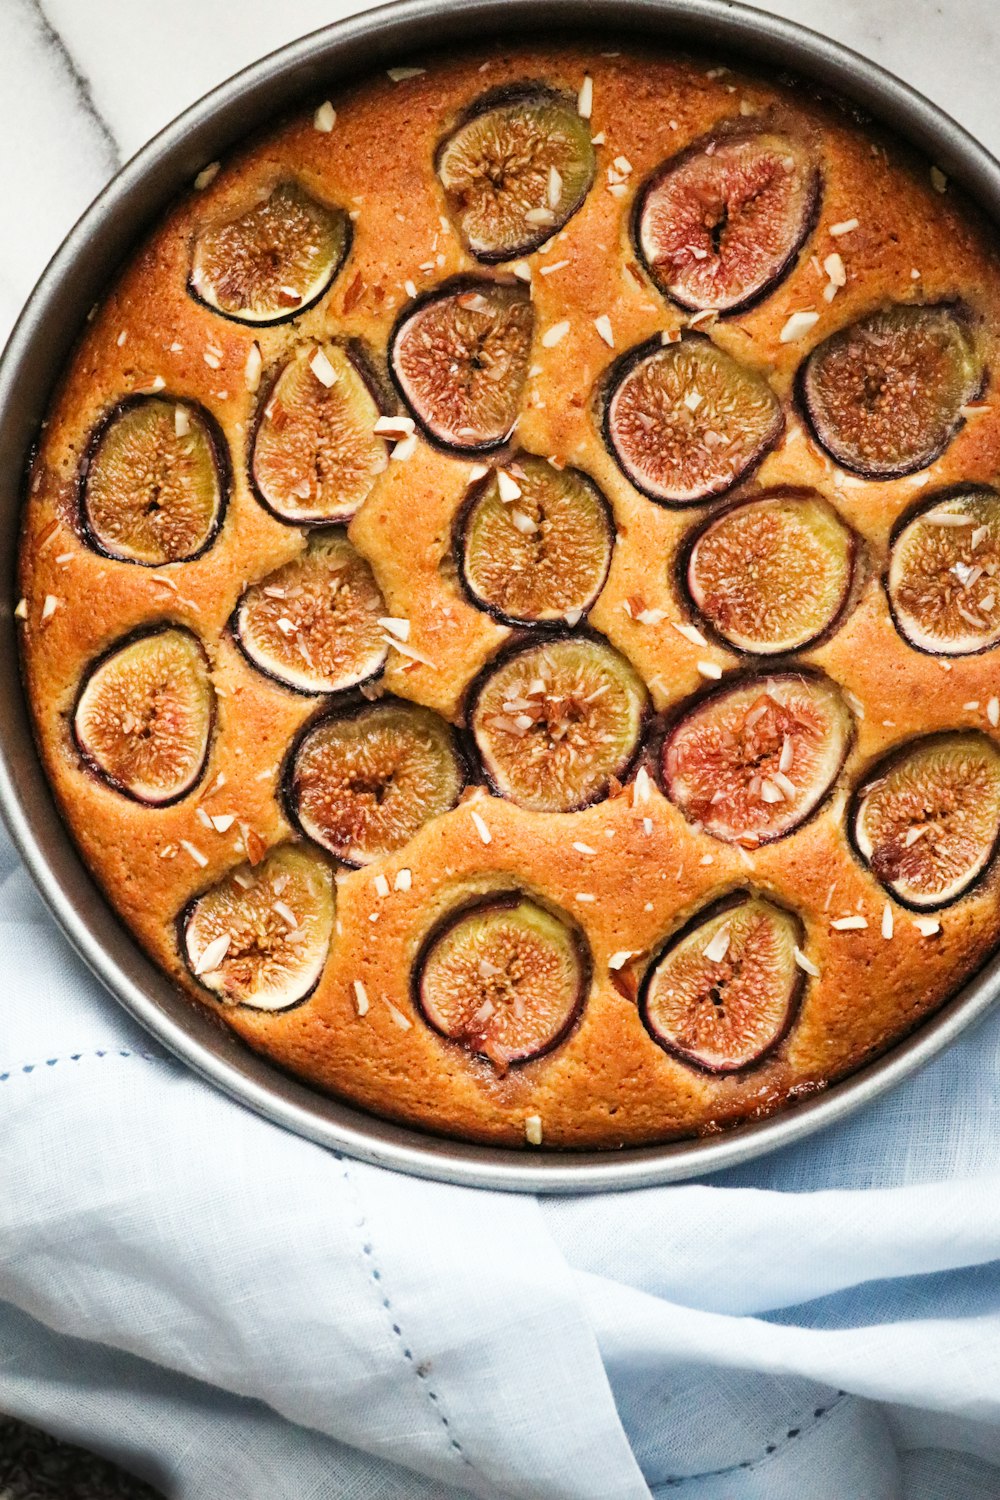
35 356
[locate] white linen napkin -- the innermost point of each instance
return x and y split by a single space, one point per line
231 1311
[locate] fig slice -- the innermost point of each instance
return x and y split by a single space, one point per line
685 421
515 169
927 818
316 455
542 556
750 761
721 223
944 572
364 780
884 396
459 357
143 719
504 977
154 483
725 990
312 624
261 936
274 261
554 723
774 573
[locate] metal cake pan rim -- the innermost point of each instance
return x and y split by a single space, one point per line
29 369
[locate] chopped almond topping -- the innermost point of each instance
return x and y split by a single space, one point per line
927 926
533 1130
555 334
400 75
888 925
360 998
480 826
585 98
325 118
805 963
797 326
403 881
194 851
206 175
849 924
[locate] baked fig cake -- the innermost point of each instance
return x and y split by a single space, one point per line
510 594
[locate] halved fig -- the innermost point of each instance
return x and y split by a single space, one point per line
541 556
459 357
750 761
772 574
154 484
362 782
503 977
261 936
554 723
724 991
944 572
685 422
313 624
927 818
316 455
518 165
719 224
144 716
884 396
274 261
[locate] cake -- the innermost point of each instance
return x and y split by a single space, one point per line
509 594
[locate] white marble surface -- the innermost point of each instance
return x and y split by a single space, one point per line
83 83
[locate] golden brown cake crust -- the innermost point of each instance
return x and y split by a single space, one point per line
608 1084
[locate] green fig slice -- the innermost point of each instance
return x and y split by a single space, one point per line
143 719
261 936
313 624
555 723
772 574
273 261
504 978
725 990
884 396
459 358
541 556
685 422
944 573
721 223
515 169
316 454
749 762
362 782
154 483
927 819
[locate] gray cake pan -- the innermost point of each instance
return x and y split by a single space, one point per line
43 341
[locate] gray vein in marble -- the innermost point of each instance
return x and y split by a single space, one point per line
80 83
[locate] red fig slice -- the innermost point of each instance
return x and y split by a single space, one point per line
752 760
316 455
274 261
541 556
884 396
721 223
927 819
460 360
503 977
554 723
773 574
685 422
516 168
944 573
362 782
725 990
143 719
261 936
154 483
313 625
